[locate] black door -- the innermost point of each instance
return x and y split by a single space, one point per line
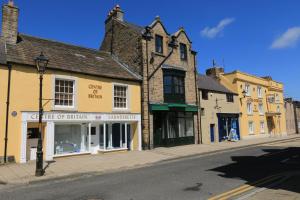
157 129
116 135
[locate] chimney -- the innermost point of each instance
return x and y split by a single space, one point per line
10 14
115 13
215 72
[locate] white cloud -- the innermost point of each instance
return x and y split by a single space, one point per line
287 39
212 32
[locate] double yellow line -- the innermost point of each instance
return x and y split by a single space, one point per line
245 188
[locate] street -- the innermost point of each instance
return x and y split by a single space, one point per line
199 177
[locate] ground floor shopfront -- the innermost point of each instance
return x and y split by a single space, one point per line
174 124
66 134
228 124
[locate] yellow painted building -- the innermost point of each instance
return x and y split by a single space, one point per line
261 102
91 101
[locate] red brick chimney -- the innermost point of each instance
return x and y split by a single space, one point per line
10 15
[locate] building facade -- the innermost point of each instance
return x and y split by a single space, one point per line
219 113
91 101
167 65
290 115
260 102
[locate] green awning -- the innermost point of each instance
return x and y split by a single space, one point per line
168 106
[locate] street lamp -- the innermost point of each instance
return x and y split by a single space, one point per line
41 63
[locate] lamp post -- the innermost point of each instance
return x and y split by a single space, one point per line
41 63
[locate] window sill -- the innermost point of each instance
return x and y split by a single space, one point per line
62 108
120 110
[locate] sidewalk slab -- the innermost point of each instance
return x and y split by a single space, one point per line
101 163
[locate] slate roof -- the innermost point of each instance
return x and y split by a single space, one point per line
67 57
208 83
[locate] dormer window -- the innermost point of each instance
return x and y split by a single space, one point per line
183 51
159 44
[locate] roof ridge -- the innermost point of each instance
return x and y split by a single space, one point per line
60 42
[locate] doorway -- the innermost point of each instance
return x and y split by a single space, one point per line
212 133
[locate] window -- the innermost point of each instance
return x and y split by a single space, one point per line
158 44
259 92
183 51
251 127
204 94
249 108
262 127
261 108
174 90
277 100
120 96
278 109
247 90
229 97
64 93
32 133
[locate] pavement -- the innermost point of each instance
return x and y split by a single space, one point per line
254 169
112 162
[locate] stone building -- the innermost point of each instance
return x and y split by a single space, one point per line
290 115
219 110
166 63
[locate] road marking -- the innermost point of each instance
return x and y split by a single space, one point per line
245 188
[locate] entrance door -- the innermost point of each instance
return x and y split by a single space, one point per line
32 140
94 139
212 133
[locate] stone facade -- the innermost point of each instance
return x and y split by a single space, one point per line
290 116
126 42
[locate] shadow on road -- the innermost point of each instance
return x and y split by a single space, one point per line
255 168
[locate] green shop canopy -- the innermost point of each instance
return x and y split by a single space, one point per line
171 106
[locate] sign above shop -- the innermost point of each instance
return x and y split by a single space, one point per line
94 91
79 117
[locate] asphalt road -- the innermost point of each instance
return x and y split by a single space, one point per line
190 178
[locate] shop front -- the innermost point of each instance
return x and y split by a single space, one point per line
173 124
228 123
68 134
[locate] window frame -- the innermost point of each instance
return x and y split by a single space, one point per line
183 51
229 98
173 96
248 90
251 107
260 126
251 132
113 96
66 78
261 111
259 92
159 38
206 94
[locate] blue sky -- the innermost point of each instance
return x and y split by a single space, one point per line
261 37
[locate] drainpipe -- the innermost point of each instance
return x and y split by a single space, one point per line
295 117
199 126
9 66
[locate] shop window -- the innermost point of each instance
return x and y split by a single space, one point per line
251 127
158 44
204 94
120 96
69 139
179 124
64 93
174 91
249 109
183 51
229 98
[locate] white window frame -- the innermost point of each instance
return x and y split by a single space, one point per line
251 130
259 92
277 98
262 128
278 109
67 78
127 97
250 112
261 108
247 89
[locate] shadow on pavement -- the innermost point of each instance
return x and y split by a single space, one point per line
255 168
